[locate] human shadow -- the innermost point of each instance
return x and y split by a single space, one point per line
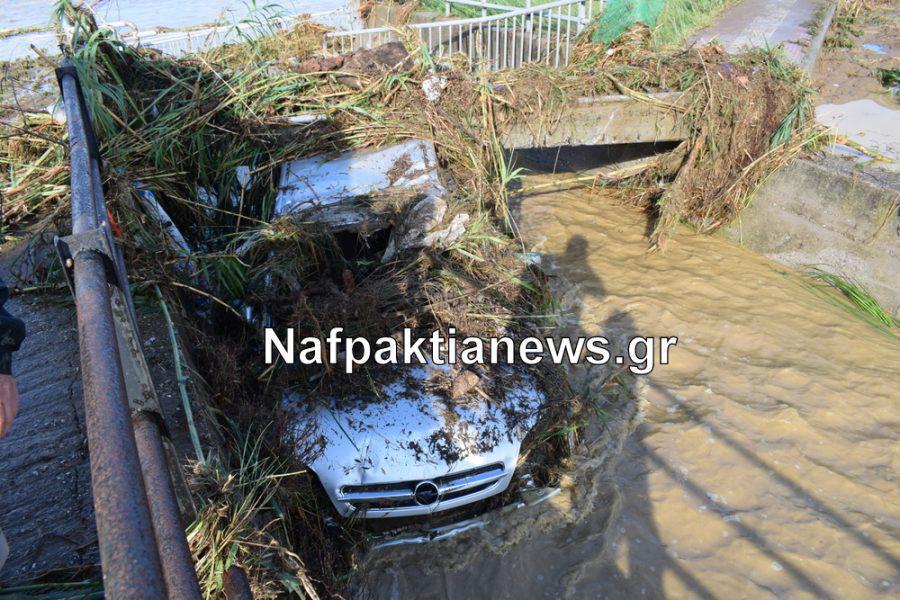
576 264
640 570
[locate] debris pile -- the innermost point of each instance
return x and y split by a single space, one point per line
34 177
231 150
747 114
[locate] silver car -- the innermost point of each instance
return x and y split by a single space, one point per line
412 451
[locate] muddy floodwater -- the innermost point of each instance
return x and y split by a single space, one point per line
762 461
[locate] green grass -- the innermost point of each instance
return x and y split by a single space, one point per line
857 300
680 19
797 119
890 79
239 520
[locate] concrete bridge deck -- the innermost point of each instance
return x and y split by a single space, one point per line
603 120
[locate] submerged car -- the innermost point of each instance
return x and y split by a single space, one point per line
411 450
411 445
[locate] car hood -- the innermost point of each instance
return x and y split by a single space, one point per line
414 430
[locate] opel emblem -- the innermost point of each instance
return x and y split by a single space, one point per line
426 493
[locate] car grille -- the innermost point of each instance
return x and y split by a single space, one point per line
403 494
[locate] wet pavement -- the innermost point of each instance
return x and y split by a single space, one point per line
45 491
872 125
768 23
45 486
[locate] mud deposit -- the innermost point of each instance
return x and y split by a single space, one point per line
765 463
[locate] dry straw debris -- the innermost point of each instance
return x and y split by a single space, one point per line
180 128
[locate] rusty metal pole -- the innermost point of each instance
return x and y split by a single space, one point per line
236 584
128 551
89 218
129 557
177 563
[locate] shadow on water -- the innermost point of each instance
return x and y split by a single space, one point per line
613 537
642 568
636 574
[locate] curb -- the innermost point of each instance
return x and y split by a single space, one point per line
815 45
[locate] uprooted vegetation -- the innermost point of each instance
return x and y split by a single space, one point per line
845 28
746 114
185 130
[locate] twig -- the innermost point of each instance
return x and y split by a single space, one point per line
641 96
179 375
208 295
559 182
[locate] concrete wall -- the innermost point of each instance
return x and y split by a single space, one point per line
828 214
601 120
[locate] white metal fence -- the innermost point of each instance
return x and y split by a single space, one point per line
508 39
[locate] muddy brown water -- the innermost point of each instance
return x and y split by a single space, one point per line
761 462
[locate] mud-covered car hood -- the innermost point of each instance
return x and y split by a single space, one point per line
414 431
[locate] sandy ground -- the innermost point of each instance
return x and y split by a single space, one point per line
845 74
850 97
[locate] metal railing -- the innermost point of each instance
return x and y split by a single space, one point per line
505 8
515 36
143 549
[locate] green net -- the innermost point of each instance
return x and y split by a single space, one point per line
619 15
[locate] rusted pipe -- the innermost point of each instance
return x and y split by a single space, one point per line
177 564
134 529
128 553
84 215
236 585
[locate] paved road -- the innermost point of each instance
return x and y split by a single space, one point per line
45 492
767 22
45 486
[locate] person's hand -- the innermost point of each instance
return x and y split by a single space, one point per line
9 402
